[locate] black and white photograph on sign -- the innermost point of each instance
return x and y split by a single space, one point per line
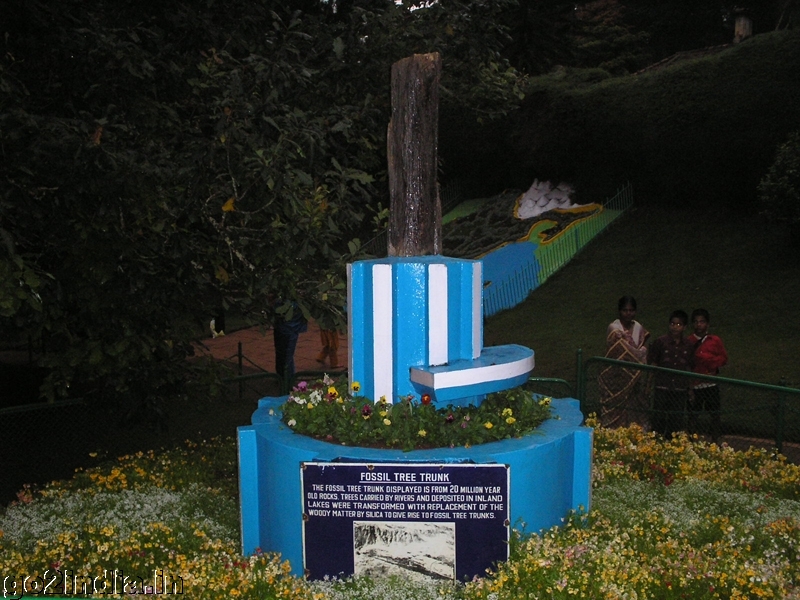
416 551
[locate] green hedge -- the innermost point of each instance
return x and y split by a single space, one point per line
703 129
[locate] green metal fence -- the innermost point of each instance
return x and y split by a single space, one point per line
550 386
748 413
259 385
554 254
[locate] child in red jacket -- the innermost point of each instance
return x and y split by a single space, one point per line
709 356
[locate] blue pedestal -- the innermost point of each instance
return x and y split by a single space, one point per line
549 474
415 327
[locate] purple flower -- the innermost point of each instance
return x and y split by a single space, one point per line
450 418
366 410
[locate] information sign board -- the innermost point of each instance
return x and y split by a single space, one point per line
416 520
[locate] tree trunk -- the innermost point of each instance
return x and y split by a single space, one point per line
415 219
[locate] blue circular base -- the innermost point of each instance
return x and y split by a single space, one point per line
550 474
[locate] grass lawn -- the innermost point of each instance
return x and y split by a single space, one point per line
730 264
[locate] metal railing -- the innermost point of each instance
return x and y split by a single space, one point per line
512 290
549 386
620 392
253 381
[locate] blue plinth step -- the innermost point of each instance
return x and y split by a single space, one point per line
497 368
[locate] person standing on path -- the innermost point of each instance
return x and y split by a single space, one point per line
621 399
286 329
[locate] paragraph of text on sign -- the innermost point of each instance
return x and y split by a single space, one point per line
404 495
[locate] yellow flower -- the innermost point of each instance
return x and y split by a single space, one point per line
507 412
488 425
387 422
332 391
511 420
356 387
383 399
545 401
422 433
310 405
383 413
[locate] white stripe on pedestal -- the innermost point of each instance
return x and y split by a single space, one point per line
477 309
382 341
437 315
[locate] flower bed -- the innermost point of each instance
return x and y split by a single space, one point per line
326 410
726 526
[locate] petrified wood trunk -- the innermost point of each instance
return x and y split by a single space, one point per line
415 219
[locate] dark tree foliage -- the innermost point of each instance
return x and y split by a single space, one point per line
679 24
161 162
157 167
537 33
604 39
779 190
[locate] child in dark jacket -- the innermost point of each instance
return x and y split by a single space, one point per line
672 392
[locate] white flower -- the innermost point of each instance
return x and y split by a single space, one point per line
327 380
316 397
291 423
300 400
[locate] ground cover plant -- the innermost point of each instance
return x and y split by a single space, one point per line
676 519
330 409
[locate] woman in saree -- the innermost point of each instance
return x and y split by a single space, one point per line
622 398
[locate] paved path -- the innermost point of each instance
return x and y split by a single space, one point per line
258 349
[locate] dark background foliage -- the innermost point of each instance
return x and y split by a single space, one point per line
161 164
